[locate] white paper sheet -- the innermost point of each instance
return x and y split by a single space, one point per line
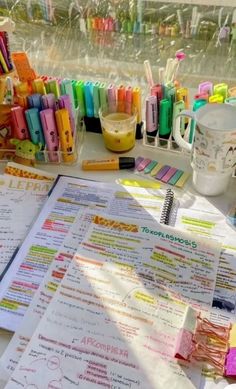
50 229
100 307
20 201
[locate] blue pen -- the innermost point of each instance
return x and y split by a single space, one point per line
35 101
66 88
88 93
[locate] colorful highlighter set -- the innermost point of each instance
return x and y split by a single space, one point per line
158 171
210 345
49 123
86 96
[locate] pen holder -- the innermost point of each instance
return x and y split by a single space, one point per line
8 149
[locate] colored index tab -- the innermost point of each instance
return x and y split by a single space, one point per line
139 183
162 172
182 180
169 175
143 164
156 169
176 177
149 167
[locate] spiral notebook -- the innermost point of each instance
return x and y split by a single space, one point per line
169 209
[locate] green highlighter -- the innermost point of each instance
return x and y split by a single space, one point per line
79 97
164 121
103 95
196 105
96 99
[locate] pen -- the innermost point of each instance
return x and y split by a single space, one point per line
148 72
109 164
151 117
65 135
121 98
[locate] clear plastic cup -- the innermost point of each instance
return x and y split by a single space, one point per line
118 129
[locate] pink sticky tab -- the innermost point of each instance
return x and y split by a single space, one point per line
230 366
143 164
184 345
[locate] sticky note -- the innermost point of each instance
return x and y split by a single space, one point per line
139 183
180 183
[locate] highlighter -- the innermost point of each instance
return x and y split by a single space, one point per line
79 97
164 129
219 99
230 101
103 97
96 100
151 118
109 164
196 105
232 92
221 89
88 94
128 100
121 98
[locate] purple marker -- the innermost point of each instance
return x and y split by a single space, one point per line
65 102
151 117
48 101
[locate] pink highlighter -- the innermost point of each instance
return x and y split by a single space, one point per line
128 99
20 128
50 133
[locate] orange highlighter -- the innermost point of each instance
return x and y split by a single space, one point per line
65 135
121 98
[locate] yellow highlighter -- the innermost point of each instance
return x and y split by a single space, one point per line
182 94
137 102
38 86
2 89
65 135
216 99
3 63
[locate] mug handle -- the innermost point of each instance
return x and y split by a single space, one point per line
176 130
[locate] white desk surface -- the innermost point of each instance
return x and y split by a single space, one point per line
93 148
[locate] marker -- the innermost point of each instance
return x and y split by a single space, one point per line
164 129
20 129
38 86
197 105
48 101
50 133
137 103
111 92
206 87
151 118
96 99
88 94
103 98
66 88
80 98
128 100
219 99
65 135
109 164
121 98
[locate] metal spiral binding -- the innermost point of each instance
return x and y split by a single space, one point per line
167 207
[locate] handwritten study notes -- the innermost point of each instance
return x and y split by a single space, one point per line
112 318
20 201
50 229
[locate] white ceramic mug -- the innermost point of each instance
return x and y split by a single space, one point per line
213 150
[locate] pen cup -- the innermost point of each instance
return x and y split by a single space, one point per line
118 129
